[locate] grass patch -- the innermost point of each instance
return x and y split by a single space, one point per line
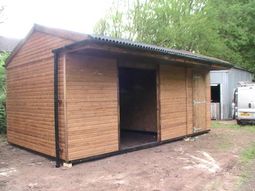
247 158
248 154
217 124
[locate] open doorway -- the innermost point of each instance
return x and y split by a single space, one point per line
138 107
215 101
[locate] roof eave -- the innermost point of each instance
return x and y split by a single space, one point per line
214 65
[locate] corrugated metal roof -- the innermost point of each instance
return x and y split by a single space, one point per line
127 44
157 49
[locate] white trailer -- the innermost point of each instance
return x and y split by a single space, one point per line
244 103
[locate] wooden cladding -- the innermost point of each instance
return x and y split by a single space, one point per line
37 47
184 101
89 118
201 101
30 108
92 106
173 101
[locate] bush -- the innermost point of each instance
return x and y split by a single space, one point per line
3 57
2 120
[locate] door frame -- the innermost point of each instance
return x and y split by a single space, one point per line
156 68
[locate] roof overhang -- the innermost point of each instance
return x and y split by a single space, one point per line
118 47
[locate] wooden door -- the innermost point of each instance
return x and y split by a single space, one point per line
199 101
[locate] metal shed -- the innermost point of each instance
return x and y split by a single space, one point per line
223 83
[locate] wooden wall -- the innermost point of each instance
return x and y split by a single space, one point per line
178 89
208 99
92 106
172 101
30 109
189 100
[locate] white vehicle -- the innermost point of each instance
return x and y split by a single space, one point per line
244 103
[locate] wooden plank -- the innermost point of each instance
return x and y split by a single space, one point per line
208 100
37 46
92 106
30 110
173 101
189 101
200 100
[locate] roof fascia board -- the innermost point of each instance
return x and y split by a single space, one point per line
85 43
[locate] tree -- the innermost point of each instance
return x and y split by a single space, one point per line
237 30
3 57
117 21
222 29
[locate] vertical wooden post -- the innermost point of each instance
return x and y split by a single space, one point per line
208 100
118 100
187 97
158 102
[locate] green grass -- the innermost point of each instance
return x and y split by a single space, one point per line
217 124
248 154
247 158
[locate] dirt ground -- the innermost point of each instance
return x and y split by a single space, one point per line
207 162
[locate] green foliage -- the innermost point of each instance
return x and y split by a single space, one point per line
222 29
3 57
113 23
236 28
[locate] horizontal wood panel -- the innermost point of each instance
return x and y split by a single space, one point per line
92 114
173 101
39 45
93 150
30 104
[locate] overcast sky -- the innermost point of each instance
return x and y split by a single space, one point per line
76 15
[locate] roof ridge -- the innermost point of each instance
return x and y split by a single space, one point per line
67 34
62 33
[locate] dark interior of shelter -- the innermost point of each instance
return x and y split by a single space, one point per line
138 106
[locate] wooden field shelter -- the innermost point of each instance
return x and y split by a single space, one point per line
74 96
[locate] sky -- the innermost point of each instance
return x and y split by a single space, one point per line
76 15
